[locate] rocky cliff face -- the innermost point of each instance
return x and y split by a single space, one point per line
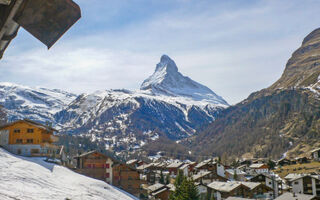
283 119
303 68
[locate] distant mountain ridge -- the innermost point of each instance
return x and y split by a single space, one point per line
168 105
283 119
38 104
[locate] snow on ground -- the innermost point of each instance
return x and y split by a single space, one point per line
34 179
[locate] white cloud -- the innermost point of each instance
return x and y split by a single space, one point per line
232 49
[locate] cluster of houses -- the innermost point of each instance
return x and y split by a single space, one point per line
251 179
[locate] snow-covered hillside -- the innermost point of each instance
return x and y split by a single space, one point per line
32 178
38 104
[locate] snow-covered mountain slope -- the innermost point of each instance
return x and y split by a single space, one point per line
128 119
33 178
167 80
38 104
168 104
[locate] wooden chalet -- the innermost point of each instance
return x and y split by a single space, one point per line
29 138
96 165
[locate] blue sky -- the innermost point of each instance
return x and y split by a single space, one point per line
233 47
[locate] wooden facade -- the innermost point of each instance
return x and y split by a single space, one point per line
95 165
29 138
127 179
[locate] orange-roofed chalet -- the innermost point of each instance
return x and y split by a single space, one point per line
28 138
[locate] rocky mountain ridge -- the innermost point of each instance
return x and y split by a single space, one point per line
283 119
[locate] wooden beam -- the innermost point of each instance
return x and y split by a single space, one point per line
5 2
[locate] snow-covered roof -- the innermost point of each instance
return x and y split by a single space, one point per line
129 162
257 165
203 163
291 196
251 185
175 165
145 166
184 166
292 176
200 175
159 191
224 186
233 171
155 187
306 175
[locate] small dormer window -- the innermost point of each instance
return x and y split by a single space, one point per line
30 130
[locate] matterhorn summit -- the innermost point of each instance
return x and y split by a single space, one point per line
167 80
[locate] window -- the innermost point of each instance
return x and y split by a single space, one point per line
30 141
296 183
89 165
30 130
107 166
16 130
107 175
19 141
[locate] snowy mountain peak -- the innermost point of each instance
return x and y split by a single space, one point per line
167 64
167 80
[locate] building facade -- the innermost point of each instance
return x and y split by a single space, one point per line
307 184
127 178
95 165
29 138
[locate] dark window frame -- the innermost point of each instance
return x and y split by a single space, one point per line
30 141
17 130
30 130
19 141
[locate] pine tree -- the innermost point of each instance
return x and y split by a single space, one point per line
271 164
235 175
161 178
186 190
167 179
179 178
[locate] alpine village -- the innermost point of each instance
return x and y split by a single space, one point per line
174 139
